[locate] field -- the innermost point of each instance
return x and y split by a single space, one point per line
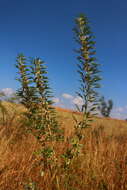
103 165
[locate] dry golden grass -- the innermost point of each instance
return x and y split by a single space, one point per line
102 167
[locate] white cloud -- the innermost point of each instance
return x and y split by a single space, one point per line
67 96
120 109
56 100
78 101
8 91
119 112
71 100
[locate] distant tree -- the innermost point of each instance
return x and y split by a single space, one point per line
105 107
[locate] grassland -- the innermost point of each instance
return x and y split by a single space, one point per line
102 167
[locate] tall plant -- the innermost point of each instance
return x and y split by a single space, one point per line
47 120
89 82
88 69
35 95
26 91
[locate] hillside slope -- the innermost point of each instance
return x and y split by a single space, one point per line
103 167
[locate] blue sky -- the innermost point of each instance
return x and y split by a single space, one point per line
44 28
